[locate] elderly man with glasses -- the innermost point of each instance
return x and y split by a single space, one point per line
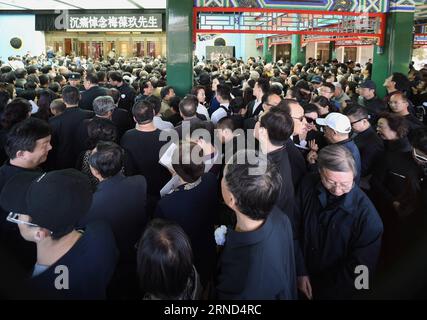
338 227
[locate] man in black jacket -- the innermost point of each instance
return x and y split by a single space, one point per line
338 226
254 108
370 101
399 104
93 90
120 201
370 145
298 164
65 144
27 147
272 131
127 93
252 265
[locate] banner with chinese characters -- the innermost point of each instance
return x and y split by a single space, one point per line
114 22
323 5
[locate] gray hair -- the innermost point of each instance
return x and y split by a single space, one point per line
336 158
254 75
103 104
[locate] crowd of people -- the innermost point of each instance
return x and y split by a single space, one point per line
265 181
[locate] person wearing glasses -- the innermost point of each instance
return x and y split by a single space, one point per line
71 263
27 146
337 226
269 100
370 145
327 90
296 158
399 104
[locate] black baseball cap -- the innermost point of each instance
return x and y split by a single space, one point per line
368 84
316 79
56 200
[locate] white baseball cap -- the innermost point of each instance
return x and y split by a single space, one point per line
336 121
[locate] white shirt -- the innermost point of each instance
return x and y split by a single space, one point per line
219 113
256 104
161 124
201 109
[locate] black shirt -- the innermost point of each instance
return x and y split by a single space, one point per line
259 265
90 262
23 251
143 155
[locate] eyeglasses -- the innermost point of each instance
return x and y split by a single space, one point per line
301 119
345 187
357 121
309 120
14 218
418 157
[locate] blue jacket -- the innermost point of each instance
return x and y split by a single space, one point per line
336 234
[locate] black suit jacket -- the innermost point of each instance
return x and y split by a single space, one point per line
371 149
297 162
120 201
65 144
251 112
252 265
87 97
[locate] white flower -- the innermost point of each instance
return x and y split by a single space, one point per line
220 233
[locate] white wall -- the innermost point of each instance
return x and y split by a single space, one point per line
248 43
230 40
23 27
364 54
